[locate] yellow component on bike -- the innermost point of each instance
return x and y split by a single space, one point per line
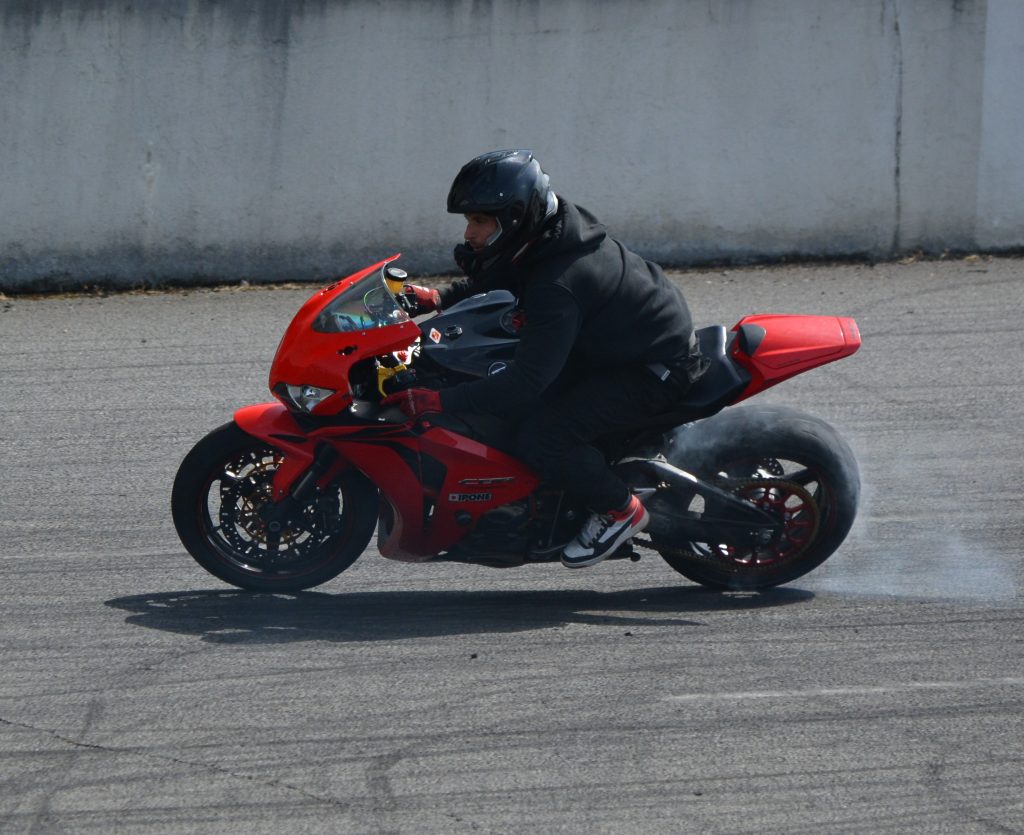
384 374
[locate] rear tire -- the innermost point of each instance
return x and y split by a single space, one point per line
218 492
778 445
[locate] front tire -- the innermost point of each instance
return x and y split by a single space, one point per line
783 460
218 492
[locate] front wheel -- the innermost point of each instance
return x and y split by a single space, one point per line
218 494
787 463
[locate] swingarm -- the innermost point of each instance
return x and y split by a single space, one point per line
668 493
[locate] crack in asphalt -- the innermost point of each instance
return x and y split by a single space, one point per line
43 807
106 749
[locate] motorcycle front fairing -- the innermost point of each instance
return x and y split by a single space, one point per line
347 323
434 482
337 328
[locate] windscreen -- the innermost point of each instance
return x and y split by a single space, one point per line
366 304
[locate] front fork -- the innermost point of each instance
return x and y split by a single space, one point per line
305 466
277 514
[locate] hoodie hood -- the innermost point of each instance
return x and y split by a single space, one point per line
573 230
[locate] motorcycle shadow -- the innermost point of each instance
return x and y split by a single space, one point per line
247 617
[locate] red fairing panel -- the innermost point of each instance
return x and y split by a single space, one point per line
308 357
428 500
272 422
459 479
792 345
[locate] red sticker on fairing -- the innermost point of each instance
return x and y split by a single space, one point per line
435 335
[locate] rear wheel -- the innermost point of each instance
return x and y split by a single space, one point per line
219 491
793 466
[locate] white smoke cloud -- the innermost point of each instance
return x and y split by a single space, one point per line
901 557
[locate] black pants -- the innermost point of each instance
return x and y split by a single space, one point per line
556 437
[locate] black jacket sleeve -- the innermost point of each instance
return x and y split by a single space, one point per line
553 319
458 290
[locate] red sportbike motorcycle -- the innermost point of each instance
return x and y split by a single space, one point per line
288 494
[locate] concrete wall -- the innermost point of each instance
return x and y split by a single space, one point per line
270 139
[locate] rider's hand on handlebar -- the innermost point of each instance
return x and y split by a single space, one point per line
416 299
413 402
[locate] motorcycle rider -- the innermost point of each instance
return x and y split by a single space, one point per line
606 340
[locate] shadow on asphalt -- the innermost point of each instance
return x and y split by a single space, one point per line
248 617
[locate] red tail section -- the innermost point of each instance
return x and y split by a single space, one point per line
774 348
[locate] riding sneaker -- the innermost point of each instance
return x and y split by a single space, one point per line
603 533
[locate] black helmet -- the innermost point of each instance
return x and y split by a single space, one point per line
511 187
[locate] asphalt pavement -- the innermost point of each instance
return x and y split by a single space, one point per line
882 693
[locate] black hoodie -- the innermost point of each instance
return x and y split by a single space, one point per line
584 295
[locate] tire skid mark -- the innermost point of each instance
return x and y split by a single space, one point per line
942 788
956 801
379 782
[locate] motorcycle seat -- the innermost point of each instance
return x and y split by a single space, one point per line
720 383
718 386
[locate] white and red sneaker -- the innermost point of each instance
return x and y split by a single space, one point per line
603 533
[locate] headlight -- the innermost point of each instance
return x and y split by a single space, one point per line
303 398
